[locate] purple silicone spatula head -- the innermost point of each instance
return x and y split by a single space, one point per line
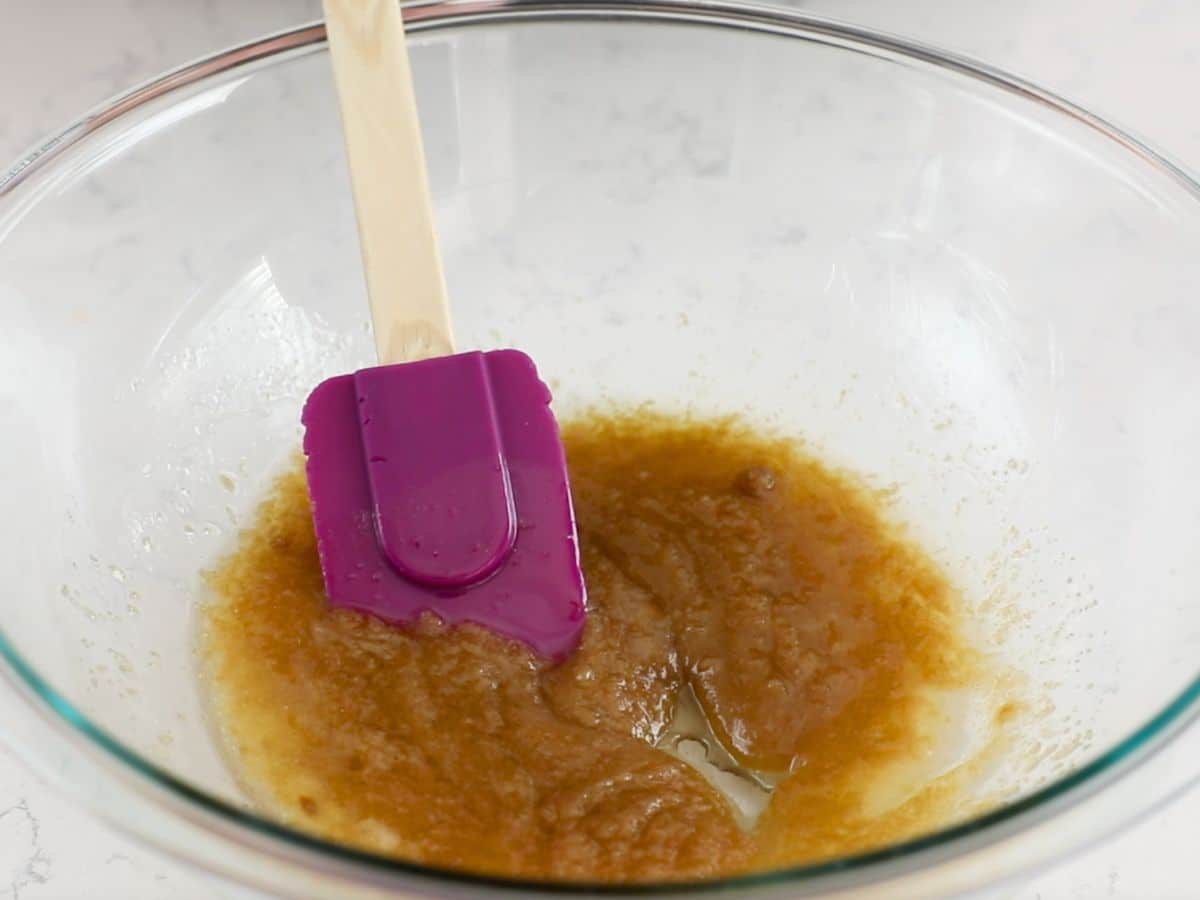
441 486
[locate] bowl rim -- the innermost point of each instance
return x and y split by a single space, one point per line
226 819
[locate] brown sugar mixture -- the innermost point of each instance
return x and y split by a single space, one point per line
721 565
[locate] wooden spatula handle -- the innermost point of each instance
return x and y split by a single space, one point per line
409 306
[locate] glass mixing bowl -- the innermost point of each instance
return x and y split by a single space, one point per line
935 274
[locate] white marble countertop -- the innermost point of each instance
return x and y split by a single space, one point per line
1133 62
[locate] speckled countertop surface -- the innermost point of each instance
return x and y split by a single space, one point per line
1133 62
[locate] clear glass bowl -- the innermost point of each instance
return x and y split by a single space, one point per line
937 275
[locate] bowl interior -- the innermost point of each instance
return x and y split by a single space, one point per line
940 285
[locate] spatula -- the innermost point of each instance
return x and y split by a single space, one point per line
438 481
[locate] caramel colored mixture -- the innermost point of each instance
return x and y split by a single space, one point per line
813 636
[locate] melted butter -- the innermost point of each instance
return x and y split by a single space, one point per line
751 613
690 738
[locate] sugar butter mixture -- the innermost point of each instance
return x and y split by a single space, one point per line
720 565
